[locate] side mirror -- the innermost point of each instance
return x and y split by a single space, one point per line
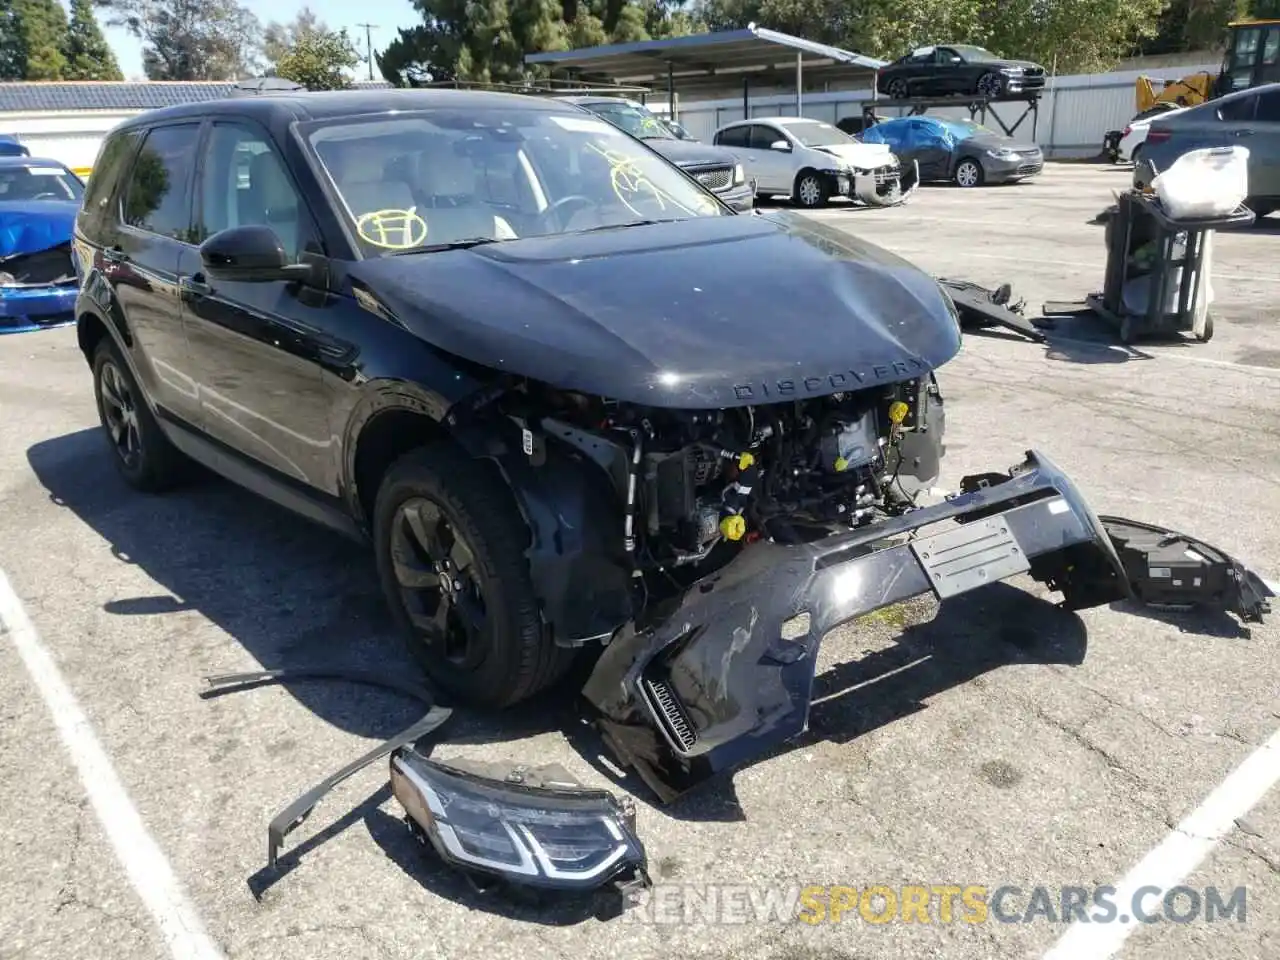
252 253
781 145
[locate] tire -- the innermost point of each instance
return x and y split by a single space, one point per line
898 89
969 173
989 85
142 454
1208 330
506 655
809 191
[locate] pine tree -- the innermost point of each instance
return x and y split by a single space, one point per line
87 53
41 26
13 49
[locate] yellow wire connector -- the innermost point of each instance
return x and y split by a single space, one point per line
898 412
733 527
841 464
745 461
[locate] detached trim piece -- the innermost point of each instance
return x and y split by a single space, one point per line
293 816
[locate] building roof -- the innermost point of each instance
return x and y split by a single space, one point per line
702 55
40 97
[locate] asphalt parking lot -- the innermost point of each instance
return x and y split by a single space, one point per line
997 742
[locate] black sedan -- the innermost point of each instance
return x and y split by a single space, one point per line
959 68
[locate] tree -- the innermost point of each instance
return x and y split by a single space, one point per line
86 51
191 39
317 60
13 54
279 38
486 40
35 45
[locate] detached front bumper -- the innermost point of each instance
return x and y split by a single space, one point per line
885 187
729 674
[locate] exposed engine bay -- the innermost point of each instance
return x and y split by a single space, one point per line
53 265
793 471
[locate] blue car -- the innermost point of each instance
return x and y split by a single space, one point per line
11 146
39 200
957 150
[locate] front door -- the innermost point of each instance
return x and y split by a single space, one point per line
259 346
774 168
143 243
1264 147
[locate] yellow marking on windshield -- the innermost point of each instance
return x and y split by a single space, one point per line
628 180
392 229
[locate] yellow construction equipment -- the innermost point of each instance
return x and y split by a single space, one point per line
1185 92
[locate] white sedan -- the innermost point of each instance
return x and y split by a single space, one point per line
811 161
1135 134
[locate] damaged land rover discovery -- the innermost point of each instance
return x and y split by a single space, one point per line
578 405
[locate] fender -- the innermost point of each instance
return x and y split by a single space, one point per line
580 569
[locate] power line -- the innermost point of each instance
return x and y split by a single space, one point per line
368 43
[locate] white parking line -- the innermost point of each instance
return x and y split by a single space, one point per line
1179 853
149 872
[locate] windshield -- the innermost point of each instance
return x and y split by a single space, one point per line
815 133
38 182
964 129
974 54
633 118
418 181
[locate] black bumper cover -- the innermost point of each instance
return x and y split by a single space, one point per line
722 680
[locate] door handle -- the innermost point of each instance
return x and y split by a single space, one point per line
197 285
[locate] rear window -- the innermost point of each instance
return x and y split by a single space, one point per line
1234 110
39 181
112 158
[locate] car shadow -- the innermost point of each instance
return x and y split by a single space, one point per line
290 592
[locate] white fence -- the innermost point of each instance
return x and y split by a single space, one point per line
1074 113
72 137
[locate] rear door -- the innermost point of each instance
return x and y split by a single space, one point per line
931 148
143 241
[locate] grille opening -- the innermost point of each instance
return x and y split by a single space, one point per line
671 714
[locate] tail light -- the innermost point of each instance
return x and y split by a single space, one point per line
1126 131
1155 135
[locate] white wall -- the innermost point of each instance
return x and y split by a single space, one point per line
71 137
1075 111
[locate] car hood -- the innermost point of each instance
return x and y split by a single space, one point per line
29 226
864 156
1024 64
996 141
690 153
700 313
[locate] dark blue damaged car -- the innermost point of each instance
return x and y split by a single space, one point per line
39 200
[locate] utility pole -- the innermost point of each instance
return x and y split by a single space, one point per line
368 43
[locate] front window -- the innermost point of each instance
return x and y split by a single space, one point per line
426 180
39 182
973 54
636 120
815 133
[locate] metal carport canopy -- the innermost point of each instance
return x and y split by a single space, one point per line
703 57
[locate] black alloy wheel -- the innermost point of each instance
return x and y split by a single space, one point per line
898 89
439 584
990 85
450 546
120 416
142 454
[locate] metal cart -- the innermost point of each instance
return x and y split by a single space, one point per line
1174 275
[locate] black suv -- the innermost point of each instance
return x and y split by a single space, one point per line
575 402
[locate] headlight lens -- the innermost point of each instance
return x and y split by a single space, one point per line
739 175
1002 154
553 834
1011 71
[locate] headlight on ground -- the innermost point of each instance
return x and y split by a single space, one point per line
739 175
534 827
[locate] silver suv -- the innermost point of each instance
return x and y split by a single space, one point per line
811 162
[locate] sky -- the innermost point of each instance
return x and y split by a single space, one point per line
389 15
